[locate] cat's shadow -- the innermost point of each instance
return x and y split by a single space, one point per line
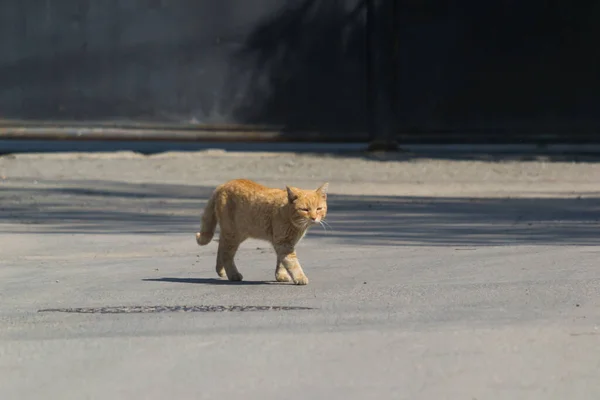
211 281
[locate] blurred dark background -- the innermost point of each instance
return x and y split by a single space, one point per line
435 71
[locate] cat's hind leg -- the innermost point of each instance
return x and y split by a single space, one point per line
281 274
228 245
220 268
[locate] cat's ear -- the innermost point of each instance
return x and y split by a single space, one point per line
292 195
322 190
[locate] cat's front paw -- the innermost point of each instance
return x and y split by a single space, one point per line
283 277
236 277
301 280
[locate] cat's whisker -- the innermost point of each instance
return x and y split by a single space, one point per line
326 224
322 223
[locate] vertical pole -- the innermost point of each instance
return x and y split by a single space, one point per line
394 71
379 107
370 42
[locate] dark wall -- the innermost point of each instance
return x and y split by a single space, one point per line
471 66
500 66
293 63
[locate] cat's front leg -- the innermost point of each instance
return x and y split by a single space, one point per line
281 274
291 264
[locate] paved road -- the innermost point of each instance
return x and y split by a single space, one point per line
411 297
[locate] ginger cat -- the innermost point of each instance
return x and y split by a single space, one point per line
245 209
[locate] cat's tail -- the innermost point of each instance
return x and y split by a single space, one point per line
209 223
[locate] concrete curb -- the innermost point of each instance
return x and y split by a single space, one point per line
152 147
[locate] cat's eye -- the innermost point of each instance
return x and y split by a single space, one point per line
319 209
304 209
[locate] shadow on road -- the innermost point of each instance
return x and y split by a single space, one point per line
101 207
212 281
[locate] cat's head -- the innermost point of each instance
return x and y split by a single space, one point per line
309 206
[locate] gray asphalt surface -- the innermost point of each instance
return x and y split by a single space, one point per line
444 280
